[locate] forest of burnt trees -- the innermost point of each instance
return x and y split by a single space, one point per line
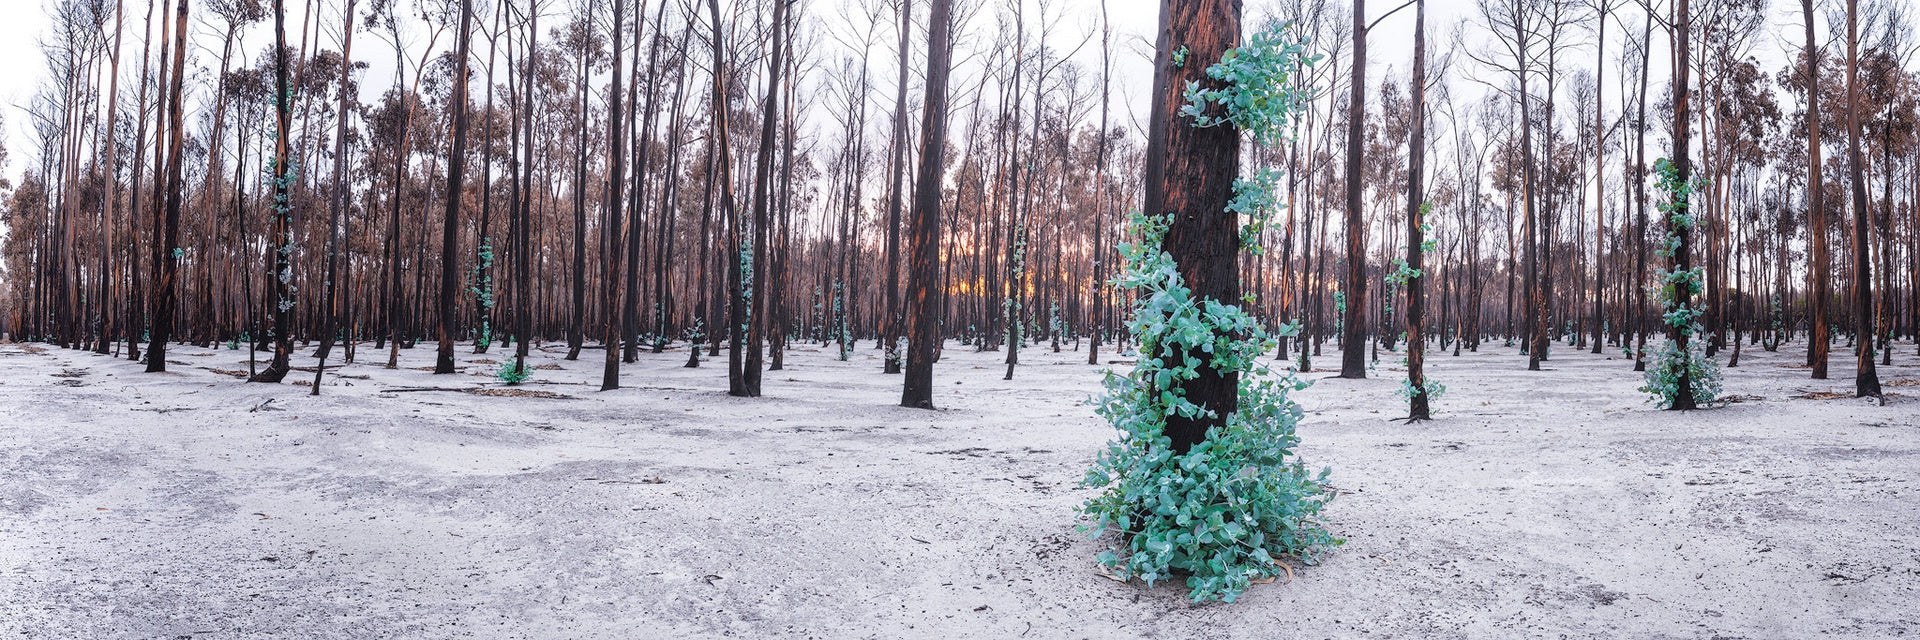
745 176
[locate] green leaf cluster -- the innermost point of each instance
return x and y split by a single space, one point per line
1227 511
1258 93
512 375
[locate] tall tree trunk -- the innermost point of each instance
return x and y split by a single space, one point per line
166 253
616 180
330 318
1533 307
1683 169
925 298
523 228
669 205
1189 175
1418 407
1097 323
754 283
456 176
136 310
1866 381
1599 182
732 251
485 251
577 329
630 323
107 155
1640 201
1353 358
1818 339
890 323
280 285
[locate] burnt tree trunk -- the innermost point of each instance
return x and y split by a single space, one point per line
166 239
1096 323
1818 338
1189 176
280 284
616 180
456 174
1353 362
925 298
1683 169
764 167
330 318
890 323
1866 381
1640 202
1418 407
732 250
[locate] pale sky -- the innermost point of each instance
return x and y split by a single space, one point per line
22 65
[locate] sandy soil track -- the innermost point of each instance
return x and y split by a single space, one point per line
1539 504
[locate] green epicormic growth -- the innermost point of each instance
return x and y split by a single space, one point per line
1677 289
480 284
1258 92
1225 512
1401 274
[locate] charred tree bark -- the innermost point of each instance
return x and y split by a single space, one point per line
1640 201
1866 381
890 323
1189 176
1683 169
456 176
166 256
723 174
523 207
1599 178
577 329
616 180
330 317
764 167
1418 407
1353 357
1097 321
280 285
925 298
136 307
1818 338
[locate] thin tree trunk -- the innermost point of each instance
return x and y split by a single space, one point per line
456 176
616 180
1353 362
1683 170
1818 339
1418 407
1866 381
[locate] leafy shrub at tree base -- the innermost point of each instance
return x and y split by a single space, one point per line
1228 510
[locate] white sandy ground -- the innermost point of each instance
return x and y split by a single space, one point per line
1551 504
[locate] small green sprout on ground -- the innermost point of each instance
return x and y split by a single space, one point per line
512 375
